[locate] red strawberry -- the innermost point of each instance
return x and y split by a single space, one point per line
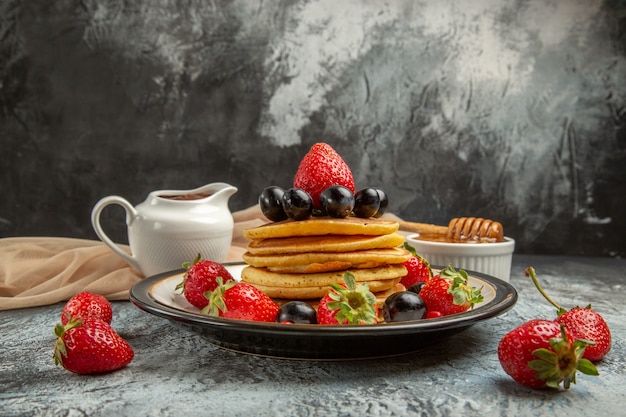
450 292
87 305
241 301
348 303
539 354
200 277
418 269
432 314
584 323
86 346
581 323
320 168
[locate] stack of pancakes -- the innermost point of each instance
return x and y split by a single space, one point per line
297 260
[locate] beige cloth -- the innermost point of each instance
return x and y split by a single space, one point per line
36 271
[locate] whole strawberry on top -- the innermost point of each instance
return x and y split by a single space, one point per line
321 168
418 268
87 305
201 276
87 346
581 323
348 303
240 301
540 353
449 292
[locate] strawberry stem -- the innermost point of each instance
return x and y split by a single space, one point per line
530 272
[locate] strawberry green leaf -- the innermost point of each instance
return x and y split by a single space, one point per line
216 298
587 367
355 303
460 288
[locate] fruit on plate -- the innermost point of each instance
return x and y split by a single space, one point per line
297 312
297 204
450 292
240 301
87 305
367 202
337 201
418 268
320 168
404 306
86 346
581 323
201 276
384 202
322 186
271 203
540 353
348 303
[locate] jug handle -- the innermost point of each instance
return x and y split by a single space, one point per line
131 214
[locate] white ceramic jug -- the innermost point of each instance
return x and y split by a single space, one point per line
171 227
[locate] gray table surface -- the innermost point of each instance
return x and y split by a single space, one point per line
176 372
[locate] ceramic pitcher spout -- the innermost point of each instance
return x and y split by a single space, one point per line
219 192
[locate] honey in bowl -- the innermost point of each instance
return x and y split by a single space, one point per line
446 238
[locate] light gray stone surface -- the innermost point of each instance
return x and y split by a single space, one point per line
177 373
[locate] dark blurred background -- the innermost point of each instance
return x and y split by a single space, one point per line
514 111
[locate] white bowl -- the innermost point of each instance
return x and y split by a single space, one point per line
489 258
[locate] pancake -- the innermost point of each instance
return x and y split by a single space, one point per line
325 243
315 262
317 292
319 226
262 276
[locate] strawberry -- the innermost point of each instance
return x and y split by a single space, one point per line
432 314
240 301
539 354
418 268
450 292
87 305
201 276
320 168
581 323
86 346
584 323
348 303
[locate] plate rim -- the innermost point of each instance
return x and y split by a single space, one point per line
504 299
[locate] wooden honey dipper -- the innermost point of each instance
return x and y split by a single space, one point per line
460 229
